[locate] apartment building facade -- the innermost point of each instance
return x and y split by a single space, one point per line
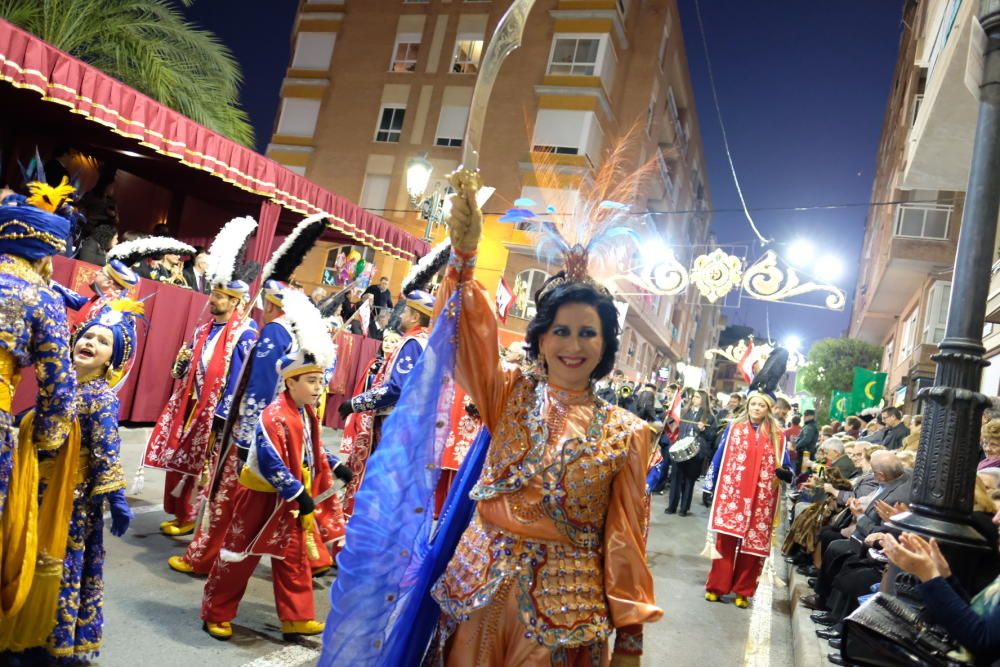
904 285
375 84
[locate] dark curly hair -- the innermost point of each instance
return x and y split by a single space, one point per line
549 304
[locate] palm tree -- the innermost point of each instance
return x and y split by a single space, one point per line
148 45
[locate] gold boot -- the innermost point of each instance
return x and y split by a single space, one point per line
178 564
292 629
741 602
221 631
178 529
711 597
168 524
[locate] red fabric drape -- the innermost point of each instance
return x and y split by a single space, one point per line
28 62
353 354
267 222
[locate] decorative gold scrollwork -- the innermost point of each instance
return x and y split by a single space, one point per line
716 274
766 281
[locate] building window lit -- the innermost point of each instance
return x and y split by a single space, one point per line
468 51
405 53
577 57
526 284
390 124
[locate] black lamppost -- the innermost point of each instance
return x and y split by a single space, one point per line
945 471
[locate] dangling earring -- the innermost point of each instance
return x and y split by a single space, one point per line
540 369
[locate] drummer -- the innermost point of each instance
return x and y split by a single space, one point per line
693 448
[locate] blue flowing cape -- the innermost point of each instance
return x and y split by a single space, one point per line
390 556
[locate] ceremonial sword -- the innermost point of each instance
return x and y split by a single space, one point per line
506 38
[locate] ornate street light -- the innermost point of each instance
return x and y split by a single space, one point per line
945 471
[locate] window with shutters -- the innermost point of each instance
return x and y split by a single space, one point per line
451 126
374 192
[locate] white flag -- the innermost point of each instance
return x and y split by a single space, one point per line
505 298
364 314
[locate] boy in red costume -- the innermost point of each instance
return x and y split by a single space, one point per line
284 506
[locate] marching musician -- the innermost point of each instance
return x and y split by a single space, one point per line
698 422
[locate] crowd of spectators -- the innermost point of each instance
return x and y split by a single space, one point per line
855 478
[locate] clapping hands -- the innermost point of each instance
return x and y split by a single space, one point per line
916 555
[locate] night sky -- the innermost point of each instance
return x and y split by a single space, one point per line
802 87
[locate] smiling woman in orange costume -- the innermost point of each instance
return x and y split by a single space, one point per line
553 562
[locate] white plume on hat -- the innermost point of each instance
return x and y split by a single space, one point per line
227 249
308 327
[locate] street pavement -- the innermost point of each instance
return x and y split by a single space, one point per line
151 612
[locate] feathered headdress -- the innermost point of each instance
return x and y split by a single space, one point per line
30 226
295 247
584 231
130 252
316 352
420 277
765 382
47 197
225 255
423 272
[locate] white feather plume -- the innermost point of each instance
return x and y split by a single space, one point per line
308 326
225 250
424 264
131 251
287 243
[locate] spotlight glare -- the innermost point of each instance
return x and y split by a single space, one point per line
801 252
829 268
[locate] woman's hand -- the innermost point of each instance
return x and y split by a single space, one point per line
465 223
912 554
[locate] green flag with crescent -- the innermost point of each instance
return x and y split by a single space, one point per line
869 386
840 405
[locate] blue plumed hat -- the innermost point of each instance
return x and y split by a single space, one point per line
421 301
30 226
234 288
121 274
118 316
272 292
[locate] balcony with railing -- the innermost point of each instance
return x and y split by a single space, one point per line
917 239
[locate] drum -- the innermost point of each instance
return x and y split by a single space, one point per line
684 449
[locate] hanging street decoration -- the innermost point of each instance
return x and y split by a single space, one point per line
714 275
766 281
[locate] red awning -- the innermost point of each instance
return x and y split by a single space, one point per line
29 63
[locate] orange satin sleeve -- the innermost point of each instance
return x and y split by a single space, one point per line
627 580
478 367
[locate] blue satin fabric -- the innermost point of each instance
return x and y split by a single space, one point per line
387 545
412 633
